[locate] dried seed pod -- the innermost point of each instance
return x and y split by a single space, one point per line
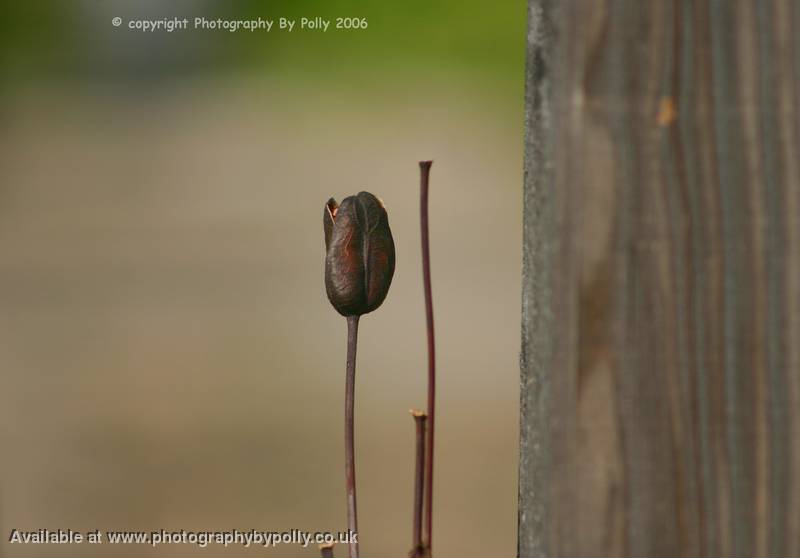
359 261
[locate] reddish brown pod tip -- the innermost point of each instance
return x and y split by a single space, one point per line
359 260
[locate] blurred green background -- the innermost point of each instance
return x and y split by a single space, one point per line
406 44
168 356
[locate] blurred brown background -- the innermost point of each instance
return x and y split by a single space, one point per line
168 356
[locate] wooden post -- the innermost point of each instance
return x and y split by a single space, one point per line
661 289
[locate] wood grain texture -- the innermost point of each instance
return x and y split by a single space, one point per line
661 299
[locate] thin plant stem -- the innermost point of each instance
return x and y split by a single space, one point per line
417 548
349 434
326 550
425 170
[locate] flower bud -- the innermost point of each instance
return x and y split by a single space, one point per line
359 260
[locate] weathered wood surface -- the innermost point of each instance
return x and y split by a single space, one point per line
661 299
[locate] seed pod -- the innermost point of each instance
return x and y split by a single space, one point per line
359 260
